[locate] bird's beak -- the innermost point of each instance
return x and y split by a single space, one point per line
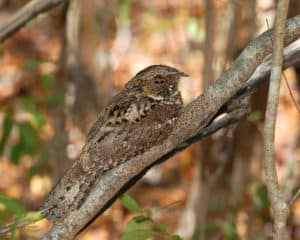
183 74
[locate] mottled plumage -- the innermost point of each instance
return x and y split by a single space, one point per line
139 117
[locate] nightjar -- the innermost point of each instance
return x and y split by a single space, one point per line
140 116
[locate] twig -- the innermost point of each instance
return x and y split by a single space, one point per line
29 11
286 82
294 198
291 94
208 73
278 205
73 17
262 73
29 218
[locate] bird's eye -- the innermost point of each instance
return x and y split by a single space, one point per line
159 81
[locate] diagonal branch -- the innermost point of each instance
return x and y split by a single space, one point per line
262 73
26 13
194 119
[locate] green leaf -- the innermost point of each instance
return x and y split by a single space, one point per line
130 203
196 234
138 235
137 223
38 117
164 24
254 116
32 64
147 212
192 27
6 128
124 10
160 227
175 237
33 216
28 103
194 30
132 226
33 170
31 23
43 157
54 99
29 138
21 221
229 231
16 152
13 205
47 81
260 199
141 219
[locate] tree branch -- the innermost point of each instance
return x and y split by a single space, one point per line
194 119
26 13
278 205
262 73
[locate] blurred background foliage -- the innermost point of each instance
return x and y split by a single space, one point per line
59 71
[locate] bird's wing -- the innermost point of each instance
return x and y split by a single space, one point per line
112 116
95 158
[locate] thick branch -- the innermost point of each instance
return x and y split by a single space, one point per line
278 204
262 73
194 119
26 13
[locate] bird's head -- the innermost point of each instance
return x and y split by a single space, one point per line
157 81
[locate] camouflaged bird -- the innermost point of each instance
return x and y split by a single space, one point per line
140 116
